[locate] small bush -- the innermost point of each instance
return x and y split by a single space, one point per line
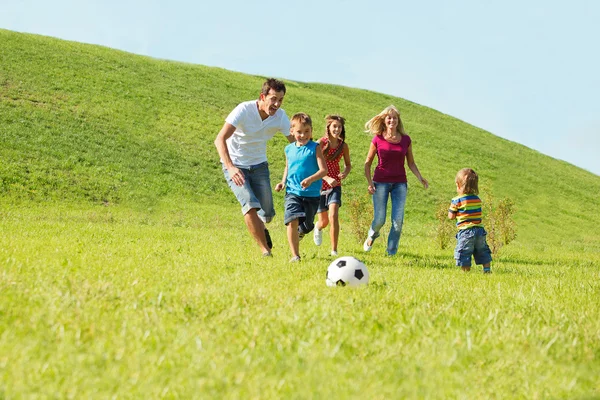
361 214
445 228
498 221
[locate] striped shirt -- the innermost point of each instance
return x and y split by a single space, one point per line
467 208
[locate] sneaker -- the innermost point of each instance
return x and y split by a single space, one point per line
366 245
295 259
334 253
318 237
267 254
268 237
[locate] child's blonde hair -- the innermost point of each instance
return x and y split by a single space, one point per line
301 119
467 181
376 125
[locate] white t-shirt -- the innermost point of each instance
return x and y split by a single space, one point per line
248 144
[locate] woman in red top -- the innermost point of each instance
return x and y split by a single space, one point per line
393 147
334 148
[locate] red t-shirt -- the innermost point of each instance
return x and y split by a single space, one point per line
390 167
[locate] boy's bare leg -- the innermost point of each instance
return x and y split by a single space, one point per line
292 235
487 269
466 269
257 229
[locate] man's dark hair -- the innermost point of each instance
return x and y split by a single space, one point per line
274 84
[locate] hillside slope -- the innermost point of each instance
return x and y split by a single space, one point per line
84 123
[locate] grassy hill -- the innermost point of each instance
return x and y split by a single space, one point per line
126 267
87 123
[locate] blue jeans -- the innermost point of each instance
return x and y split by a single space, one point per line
397 192
256 190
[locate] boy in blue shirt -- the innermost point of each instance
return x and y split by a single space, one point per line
304 168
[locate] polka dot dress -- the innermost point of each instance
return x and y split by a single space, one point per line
333 166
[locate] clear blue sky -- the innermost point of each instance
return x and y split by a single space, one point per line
528 71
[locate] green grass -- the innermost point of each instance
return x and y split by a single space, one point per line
126 271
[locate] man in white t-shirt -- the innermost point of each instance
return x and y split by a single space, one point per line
242 146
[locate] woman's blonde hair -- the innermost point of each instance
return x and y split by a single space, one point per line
376 125
468 181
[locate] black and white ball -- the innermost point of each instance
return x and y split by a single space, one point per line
347 271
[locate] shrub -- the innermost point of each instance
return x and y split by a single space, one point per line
361 214
445 228
499 222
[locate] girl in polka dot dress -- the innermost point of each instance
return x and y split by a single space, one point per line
334 148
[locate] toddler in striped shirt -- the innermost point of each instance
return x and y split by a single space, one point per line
466 209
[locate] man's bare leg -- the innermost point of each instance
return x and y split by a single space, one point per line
256 227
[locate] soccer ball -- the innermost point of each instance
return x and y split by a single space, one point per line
347 271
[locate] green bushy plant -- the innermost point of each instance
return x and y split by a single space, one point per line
499 221
444 229
360 214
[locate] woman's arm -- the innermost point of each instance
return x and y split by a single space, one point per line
368 162
410 160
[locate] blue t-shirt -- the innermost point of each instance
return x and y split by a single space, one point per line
302 163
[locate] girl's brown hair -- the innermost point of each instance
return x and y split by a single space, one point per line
330 118
467 181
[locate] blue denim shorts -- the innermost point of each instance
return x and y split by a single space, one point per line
471 242
330 196
255 192
301 208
